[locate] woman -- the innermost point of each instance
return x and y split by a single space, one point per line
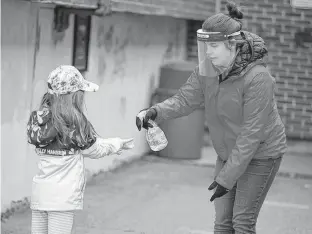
233 82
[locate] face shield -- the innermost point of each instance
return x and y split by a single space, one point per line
206 64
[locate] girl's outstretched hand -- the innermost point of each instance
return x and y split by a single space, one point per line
125 144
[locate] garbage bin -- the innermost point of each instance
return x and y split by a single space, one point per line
185 134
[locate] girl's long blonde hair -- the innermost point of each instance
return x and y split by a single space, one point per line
68 117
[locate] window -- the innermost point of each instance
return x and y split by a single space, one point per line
192 27
81 41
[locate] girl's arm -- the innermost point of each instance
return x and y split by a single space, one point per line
104 147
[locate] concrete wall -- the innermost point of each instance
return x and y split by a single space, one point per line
126 51
17 53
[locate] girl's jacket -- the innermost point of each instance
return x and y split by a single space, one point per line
240 110
60 181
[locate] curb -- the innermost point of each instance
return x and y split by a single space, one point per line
15 207
300 154
280 173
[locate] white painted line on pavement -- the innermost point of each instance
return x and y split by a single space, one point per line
199 232
287 205
186 230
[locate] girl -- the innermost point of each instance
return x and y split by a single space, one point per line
234 83
63 136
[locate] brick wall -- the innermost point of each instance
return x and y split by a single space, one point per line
278 23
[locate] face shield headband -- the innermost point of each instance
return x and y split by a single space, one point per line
214 36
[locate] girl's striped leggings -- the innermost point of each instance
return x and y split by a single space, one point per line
52 222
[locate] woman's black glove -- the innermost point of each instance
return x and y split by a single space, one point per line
220 190
144 116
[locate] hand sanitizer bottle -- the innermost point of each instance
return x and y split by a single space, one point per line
155 137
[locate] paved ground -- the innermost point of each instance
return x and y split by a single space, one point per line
158 196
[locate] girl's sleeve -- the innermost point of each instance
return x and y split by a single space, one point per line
103 147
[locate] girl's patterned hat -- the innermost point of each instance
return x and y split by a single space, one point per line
67 79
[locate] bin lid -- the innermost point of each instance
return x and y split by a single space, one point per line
180 65
173 75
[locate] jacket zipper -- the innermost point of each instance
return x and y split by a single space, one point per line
216 108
